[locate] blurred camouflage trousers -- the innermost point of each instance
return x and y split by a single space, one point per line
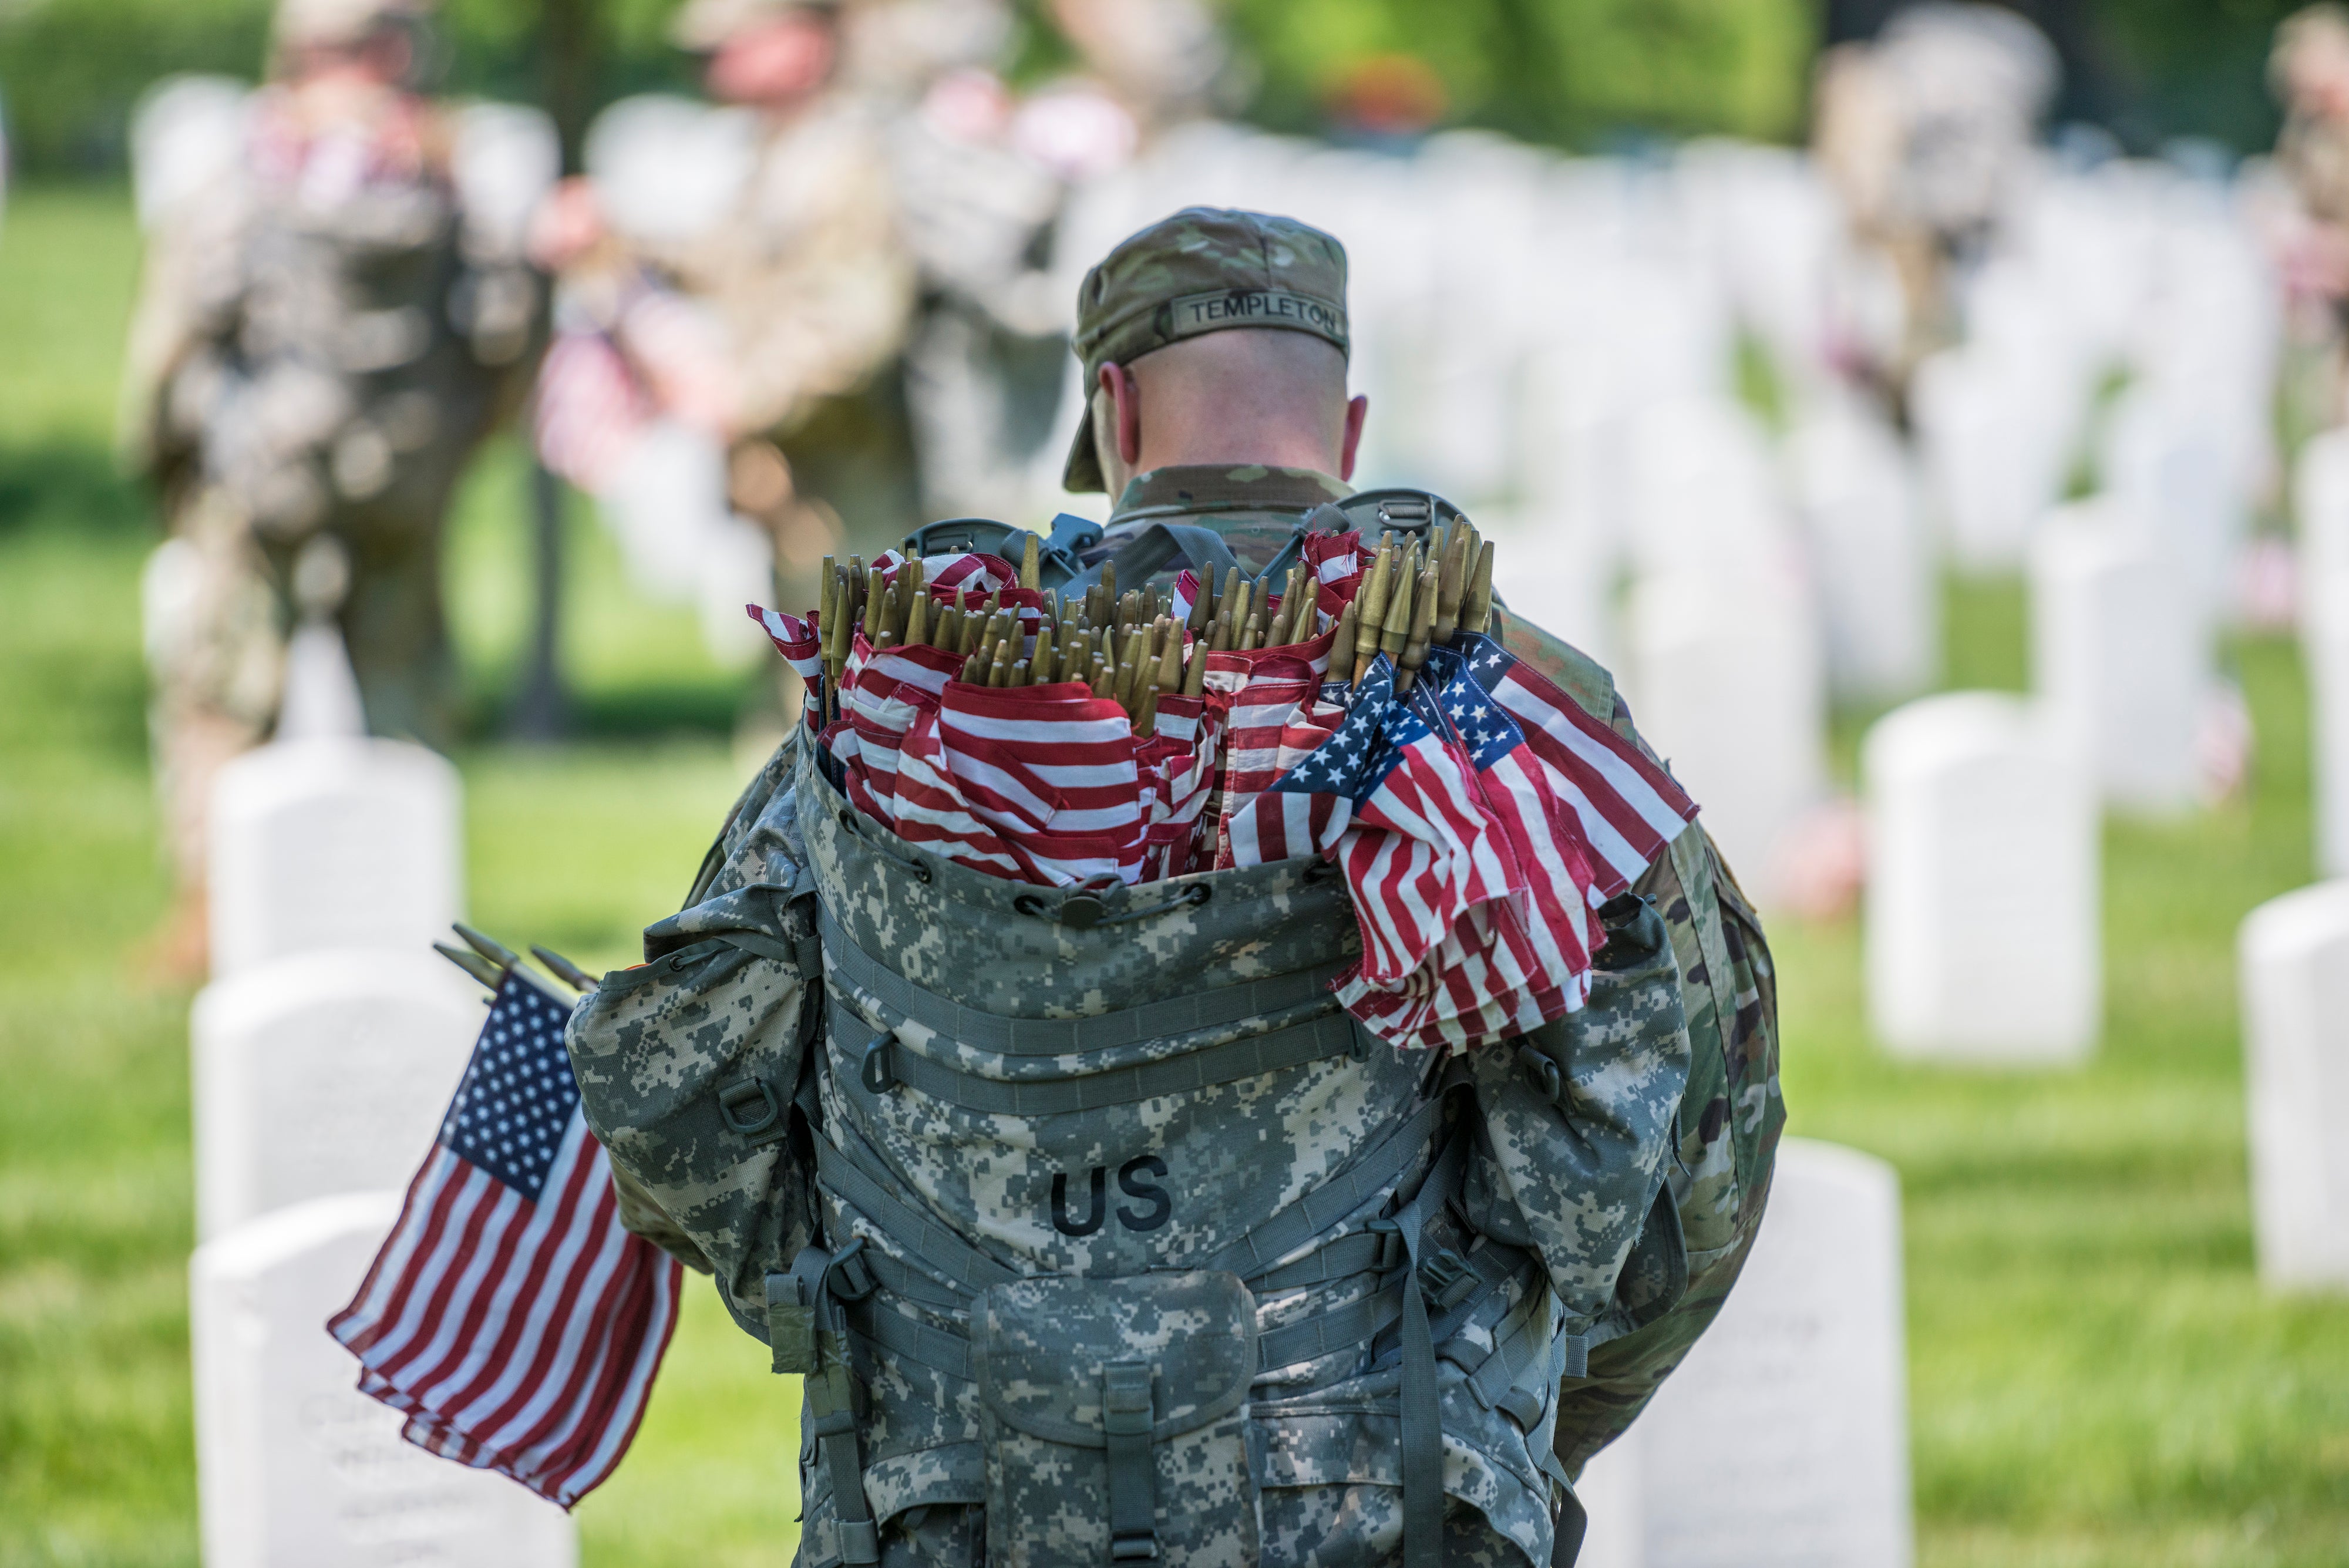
221 611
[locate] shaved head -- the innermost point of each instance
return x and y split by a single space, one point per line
1247 395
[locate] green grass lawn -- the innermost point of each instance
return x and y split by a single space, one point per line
2096 1379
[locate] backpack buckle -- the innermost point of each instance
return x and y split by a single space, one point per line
749 1107
873 1068
850 1277
1542 1071
1393 1253
1447 1279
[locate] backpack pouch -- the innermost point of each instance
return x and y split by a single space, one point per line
1114 1413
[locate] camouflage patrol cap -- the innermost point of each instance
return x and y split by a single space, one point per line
1205 269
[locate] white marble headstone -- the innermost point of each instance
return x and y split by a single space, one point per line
333 844
1994 430
294 1467
1879 583
2118 653
2294 953
1726 680
322 1073
1782 1440
2321 497
1982 925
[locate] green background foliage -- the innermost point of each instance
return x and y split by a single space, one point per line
1575 73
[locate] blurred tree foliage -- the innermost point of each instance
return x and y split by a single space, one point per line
1571 72
2190 67
1575 73
1567 71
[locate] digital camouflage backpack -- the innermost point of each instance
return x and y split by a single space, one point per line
1099 1235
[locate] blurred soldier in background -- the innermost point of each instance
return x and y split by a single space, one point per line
1162 61
2309 72
1922 133
334 310
984 179
739 272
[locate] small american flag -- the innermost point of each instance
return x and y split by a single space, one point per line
1574 810
509 1316
1392 800
892 689
1627 808
1050 770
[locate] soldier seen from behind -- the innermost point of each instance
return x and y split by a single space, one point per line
335 311
1097 1231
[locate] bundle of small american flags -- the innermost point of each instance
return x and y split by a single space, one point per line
1365 715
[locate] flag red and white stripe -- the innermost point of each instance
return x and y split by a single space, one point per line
794 638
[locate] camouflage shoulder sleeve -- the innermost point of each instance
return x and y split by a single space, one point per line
724 867
1726 1136
640 1216
1578 674
688 1063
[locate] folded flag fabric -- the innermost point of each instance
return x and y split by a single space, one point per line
1052 769
510 1316
794 638
891 690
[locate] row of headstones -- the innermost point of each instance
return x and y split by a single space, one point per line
1984 911
324 1053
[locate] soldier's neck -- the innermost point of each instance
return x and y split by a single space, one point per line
1234 449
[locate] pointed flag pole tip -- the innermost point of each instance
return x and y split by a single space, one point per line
472 963
564 970
503 957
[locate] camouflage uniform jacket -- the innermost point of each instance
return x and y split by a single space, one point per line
1336 1211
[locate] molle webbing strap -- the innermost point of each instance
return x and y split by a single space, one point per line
1133 1469
1211 1012
940 1349
1315 1040
1326 1334
1325 1207
1346 1255
899 1278
830 1389
1341 1328
1520 1343
1419 1405
912 1230
1153 549
1343 1259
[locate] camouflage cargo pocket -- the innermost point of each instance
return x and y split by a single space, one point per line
686 1066
1114 1418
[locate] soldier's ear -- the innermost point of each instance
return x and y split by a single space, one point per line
1125 411
1357 411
